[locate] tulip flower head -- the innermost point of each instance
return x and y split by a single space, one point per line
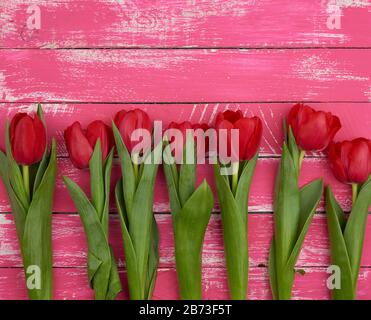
205 140
313 130
249 135
27 139
80 144
351 160
177 134
128 122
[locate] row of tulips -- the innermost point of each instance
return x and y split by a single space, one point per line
28 169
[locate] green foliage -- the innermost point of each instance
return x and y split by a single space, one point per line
33 214
293 213
134 199
234 212
102 269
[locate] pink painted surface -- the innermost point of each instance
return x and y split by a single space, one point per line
179 23
98 75
211 75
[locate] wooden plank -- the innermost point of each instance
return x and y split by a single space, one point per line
185 75
72 284
355 117
177 23
261 197
70 247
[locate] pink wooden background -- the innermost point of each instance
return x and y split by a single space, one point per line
185 60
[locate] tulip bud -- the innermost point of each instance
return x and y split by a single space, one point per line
80 144
313 130
27 139
250 131
178 142
351 160
129 121
203 141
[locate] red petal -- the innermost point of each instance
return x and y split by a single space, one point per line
78 146
99 130
24 141
40 133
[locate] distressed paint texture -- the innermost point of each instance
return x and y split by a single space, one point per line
185 60
179 23
207 75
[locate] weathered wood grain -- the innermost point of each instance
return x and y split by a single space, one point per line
355 117
243 51
261 195
191 23
70 247
185 75
72 284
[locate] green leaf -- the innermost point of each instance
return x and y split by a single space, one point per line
141 220
339 252
40 112
37 241
96 180
189 232
187 174
15 175
45 159
114 284
107 187
235 238
287 210
153 260
99 253
310 195
287 219
171 175
18 211
355 229
272 270
134 281
40 172
129 183
294 150
169 161
244 183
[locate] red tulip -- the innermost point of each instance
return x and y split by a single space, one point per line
129 121
313 130
80 144
176 142
203 145
351 160
27 139
249 134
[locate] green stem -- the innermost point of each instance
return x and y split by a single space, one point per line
235 167
354 192
135 166
26 180
301 158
